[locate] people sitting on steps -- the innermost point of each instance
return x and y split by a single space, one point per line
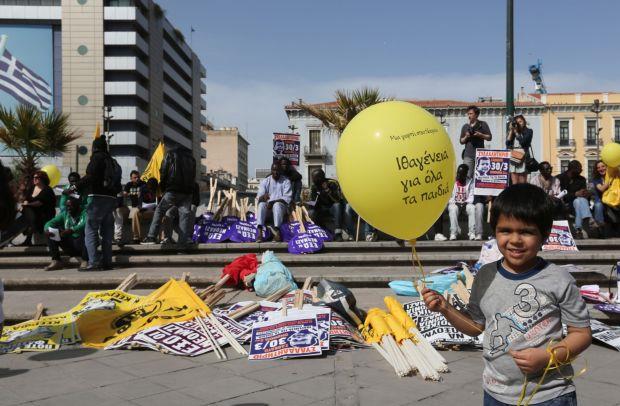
69 225
577 197
551 185
145 209
462 199
132 193
327 203
274 197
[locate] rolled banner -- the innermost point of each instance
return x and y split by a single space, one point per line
304 243
318 232
289 230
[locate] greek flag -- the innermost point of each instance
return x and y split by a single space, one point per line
23 84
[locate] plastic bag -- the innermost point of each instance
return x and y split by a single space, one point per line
272 276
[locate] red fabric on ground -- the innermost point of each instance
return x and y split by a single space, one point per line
239 269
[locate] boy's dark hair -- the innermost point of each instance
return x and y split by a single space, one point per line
527 203
475 109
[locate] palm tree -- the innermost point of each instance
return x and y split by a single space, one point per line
348 105
32 134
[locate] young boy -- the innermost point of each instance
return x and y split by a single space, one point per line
520 302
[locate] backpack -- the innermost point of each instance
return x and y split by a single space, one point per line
112 175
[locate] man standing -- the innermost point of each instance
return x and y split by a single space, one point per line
462 198
473 136
577 196
70 224
329 204
103 179
134 189
177 178
274 196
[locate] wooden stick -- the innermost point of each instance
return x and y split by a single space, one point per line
215 298
40 312
283 302
299 299
357 230
214 344
225 333
307 283
243 311
129 282
306 214
276 296
185 277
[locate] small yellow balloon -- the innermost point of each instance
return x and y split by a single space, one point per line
53 173
610 154
396 167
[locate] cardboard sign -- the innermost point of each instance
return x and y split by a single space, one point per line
492 171
243 231
435 328
286 146
286 337
322 315
215 232
560 238
305 243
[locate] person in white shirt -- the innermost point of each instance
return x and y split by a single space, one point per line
462 198
551 185
274 196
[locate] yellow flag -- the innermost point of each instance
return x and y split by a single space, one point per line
97 132
152 169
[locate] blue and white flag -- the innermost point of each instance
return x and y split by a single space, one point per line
23 84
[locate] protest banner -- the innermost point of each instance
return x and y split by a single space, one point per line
492 171
560 238
608 335
436 328
286 146
47 333
322 315
285 337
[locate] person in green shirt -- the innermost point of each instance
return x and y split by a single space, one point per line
70 224
73 179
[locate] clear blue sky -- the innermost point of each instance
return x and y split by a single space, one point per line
261 55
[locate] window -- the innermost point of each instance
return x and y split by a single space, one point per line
315 141
617 130
591 132
564 165
564 134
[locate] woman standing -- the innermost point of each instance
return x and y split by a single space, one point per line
39 206
519 140
598 181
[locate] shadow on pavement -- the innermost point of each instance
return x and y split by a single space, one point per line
6 372
62 354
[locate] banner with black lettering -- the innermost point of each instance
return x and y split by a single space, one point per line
492 171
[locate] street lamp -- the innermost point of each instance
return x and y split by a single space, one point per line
596 109
107 110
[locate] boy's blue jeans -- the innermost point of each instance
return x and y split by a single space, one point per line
569 399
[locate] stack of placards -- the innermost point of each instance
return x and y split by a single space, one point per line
436 329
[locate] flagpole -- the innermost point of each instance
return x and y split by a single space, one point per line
3 39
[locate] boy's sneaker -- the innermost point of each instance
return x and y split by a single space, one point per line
148 241
440 237
167 241
452 237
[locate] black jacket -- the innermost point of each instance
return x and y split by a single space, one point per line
178 171
93 181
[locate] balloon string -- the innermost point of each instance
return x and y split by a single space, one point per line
553 363
416 261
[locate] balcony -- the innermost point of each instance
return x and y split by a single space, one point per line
177 137
178 99
592 142
130 113
19 12
314 153
169 70
126 63
126 38
565 143
126 14
203 87
126 89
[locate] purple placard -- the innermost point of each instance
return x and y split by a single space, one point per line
288 337
199 234
304 244
230 220
608 308
318 232
243 231
216 231
289 230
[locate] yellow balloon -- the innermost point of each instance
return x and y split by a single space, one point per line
396 167
610 154
53 173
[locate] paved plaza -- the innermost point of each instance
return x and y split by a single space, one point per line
84 376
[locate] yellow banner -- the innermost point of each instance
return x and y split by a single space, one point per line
152 169
103 318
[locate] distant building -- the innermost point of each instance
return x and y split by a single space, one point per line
319 143
253 184
262 173
227 150
571 125
124 54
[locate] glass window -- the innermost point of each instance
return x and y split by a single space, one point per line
315 141
311 169
617 130
591 132
564 165
564 134
591 163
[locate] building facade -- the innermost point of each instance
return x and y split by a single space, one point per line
228 151
319 144
571 127
124 55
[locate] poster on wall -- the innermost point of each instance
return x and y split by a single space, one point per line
286 146
492 171
26 72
